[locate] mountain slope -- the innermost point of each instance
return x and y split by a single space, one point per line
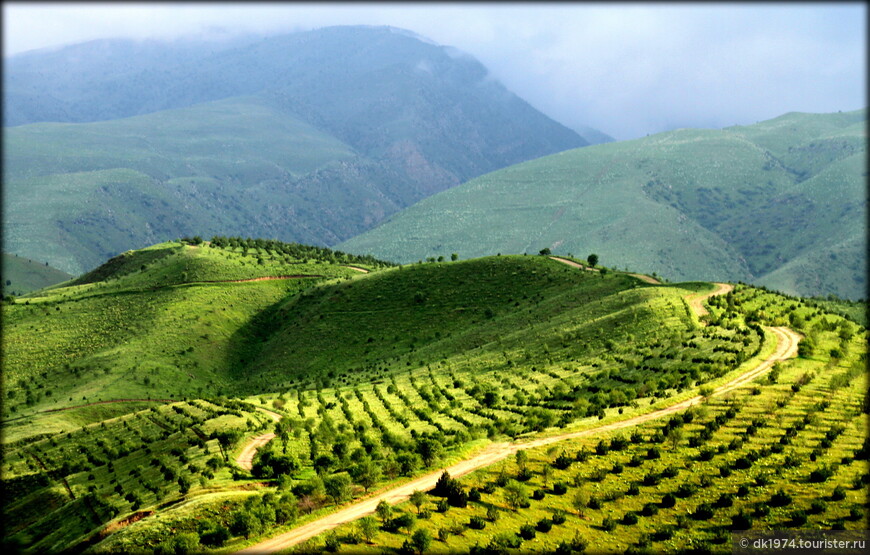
207 139
21 275
759 203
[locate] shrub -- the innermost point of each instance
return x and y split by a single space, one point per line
838 494
818 506
608 524
668 501
558 516
538 494
703 512
633 489
527 532
856 513
653 453
441 506
629 519
821 474
476 523
562 462
544 525
474 495
560 488
780 499
741 521
663 534
798 518
650 509
617 469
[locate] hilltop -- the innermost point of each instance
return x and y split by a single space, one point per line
310 137
780 203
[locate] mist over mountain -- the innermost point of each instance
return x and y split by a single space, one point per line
407 118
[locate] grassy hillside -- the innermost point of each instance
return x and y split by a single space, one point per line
311 137
78 194
22 275
124 422
787 452
160 323
780 203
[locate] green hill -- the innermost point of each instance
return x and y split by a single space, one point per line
309 137
21 275
123 422
780 203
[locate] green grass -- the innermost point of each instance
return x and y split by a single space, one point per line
365 369
686 204
25 275
781 427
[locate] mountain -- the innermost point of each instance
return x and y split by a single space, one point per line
21 275
150 141
780 203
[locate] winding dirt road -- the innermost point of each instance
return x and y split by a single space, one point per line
246 457
786 348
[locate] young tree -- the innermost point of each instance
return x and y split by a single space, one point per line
417 499
338 486
368 527
384 510
421 540
579 502
592 259
515 494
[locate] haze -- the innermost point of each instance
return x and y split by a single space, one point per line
626 69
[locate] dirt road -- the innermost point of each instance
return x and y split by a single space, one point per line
358 269
246 457
786 347
642 277
697 303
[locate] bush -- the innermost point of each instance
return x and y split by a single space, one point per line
798 518
821 474
780 499
685 490
562 462
527 532
608 524
633 489
629 519
476 523
544 525
668 501
650 509
560 488
538 494
818 506
741 521
703 512
725 500
856 513
474 495
663 534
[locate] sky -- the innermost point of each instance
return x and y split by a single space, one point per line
626 69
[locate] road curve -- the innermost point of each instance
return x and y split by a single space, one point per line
786 347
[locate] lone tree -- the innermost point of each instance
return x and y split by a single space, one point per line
545 251
592 259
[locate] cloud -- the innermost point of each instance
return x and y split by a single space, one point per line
626 69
